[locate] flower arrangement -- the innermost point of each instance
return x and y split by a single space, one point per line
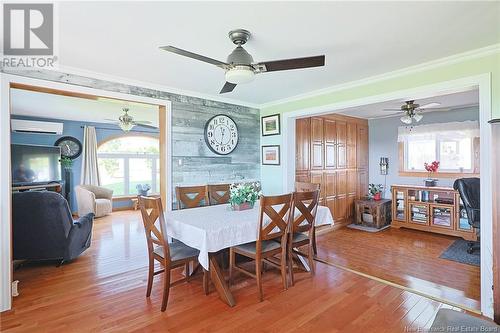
375 191
66 162
243 196
431 168
143 189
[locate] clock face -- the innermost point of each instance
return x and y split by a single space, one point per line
70 147
221 134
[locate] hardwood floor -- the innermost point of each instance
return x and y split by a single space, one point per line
104 291
406 257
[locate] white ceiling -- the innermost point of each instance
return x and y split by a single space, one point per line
359 39
447 102
43 105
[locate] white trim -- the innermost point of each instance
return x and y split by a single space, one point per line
149 85
5 188
483 82
456 58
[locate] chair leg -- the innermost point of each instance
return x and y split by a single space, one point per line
166 288
284 267
315 249
150 276
258 273
205 281
311 258
186 271
290 264
231 265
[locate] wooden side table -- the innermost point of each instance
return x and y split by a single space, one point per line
373 213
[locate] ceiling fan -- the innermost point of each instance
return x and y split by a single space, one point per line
126 122
240 67
413 111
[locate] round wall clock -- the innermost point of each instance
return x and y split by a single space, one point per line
70 147
221 134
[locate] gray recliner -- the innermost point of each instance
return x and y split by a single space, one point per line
44 229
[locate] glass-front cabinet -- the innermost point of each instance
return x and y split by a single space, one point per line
399 205
441 216
419 213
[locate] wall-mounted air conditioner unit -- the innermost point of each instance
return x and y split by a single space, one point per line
39 127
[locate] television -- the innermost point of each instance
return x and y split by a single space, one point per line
34 165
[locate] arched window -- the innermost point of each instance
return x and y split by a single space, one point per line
127 161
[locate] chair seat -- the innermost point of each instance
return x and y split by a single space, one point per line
178 251
299 237
267 245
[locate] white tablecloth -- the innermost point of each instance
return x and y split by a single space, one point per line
213 228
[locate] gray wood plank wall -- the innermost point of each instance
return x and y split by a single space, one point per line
193 162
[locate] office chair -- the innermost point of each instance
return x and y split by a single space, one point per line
470 192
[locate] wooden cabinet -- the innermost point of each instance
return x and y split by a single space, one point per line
433 209
327 153
302 144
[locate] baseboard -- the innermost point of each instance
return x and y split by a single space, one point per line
119 209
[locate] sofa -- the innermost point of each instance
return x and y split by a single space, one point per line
43 228
94 199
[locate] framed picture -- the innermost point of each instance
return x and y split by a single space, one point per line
271 125
271 155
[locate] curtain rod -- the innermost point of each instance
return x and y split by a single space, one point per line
119 129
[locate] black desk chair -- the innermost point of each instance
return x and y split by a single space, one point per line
470 193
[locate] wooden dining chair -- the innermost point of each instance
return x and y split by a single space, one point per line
301 229
218 194
169 256
308 187
191 196
273 225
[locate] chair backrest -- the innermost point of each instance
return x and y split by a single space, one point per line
154 224
191 196
306 187
274 216
469 189
305 206
219 194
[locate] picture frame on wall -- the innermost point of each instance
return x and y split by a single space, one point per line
271 155
271 125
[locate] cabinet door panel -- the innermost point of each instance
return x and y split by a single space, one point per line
317 129
341 132
352 135
303 177
330 156
350 206
340 208
317 156
341 156
330 184
352 182
362 147
362 190
303 143
317 178
330 131
341 182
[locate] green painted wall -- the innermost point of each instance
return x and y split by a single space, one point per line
272 179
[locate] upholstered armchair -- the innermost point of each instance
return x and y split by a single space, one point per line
94 199
43 228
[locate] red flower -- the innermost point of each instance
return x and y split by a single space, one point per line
432 167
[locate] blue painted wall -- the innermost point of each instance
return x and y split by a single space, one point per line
74 129
383 142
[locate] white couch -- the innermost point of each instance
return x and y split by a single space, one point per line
94 199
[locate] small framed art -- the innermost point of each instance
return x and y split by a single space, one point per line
271 155
271 125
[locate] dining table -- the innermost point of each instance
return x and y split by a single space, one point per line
211 229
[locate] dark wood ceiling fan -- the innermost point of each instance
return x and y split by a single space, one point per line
240 67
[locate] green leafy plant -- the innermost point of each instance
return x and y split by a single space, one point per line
374 189
241 193
66 162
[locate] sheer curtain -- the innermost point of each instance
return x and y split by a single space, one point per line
90 169
453 131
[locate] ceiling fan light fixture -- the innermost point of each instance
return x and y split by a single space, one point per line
240 74
406 119
417 117
126 127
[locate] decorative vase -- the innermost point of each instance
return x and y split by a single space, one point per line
242 206
430 182
377 196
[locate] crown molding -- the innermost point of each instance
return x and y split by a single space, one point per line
453 59
149 85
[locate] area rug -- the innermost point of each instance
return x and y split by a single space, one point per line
365 228
458 252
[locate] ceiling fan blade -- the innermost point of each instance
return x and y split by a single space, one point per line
228 87
145 125
113 120
392 110
286 64
142 122
429 105
192 55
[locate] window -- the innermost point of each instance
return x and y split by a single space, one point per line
128 161
455 145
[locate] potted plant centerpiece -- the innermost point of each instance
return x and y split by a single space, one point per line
431 168
143 189
375 191
243 196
